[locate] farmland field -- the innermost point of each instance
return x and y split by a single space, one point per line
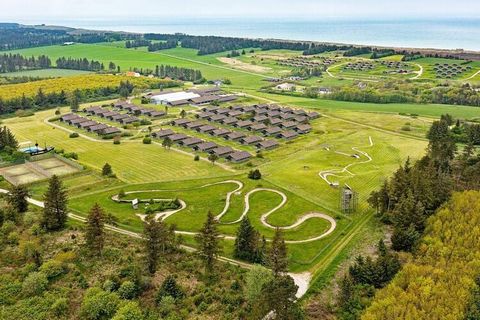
353 144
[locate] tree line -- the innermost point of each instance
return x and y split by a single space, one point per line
17 62
79 64
14 36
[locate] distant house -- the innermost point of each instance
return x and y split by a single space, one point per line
299 112
248 109
216 118
303 128
163 133
239 156
274 121
180 122
287 116
234 136
272 131
273 114
210 109
237 108
220 132
267 144
227 98
229 121
92 110
288 125
301 119
204 99
223 111
205 146
178 137
257 127
222 151
206 129
273 107
250 140
119 117
313 115
242 124
204 115
68 117
287 135
155 114
177 103
190 142
129 120
261 111
97 128
235 113
286 110
109 114
285 87
109 130
76 121
86 124
260 118
193 125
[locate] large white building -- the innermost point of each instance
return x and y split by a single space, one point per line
172 97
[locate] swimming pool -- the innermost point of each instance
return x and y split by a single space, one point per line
31 150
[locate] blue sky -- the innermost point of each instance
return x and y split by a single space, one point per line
38 10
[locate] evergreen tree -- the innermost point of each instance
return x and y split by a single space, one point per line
153 231
17 198
7 139
246 241
94 232
75 101
255 174
55 205
167 143
277 257
107 170
183 113
170 288
208 240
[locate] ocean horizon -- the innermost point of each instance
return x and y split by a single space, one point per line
412 33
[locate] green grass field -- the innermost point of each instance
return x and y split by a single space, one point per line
45 73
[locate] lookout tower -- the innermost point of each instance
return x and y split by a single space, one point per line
348 199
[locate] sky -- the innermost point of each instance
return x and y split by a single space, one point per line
56 10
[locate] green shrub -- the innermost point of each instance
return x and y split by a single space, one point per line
196 158
60 307
34 284
129 311
74 135
52 269
71 155
128 290
170 288
406 128
98 304
147 140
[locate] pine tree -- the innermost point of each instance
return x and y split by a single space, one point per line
17 198
107 170
246 241
183 113
208 240
94 232
277 257
170 288
75 101
156 236
55 205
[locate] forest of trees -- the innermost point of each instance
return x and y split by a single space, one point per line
14 36
178 73
156 46
16 62
79 64
137 43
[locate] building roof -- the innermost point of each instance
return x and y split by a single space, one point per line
173 97
222 151
239 156
193 125
78 120
313 115
163 133
274 121
178 103
217 117
97 127
229 120
288 124
259 118
287 116
206 146
204 115
129 120
180 122
250 139
299 112
235 135
69 116
191 141
220 132
206 128
288 134
222 111
243 124
156 113
267 144
257 126
119 117
204 99
178 137
87 124
272 130
303 128
109 114
110 130
227 98
235 113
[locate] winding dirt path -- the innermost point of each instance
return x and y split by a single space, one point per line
246 210
336 172
419 73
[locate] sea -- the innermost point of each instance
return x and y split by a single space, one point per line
412 33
